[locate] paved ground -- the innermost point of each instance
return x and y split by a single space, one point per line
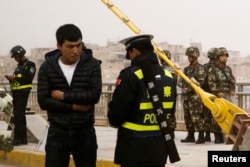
192 155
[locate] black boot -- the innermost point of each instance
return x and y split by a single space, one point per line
217 138
201 138
189 138
16 142
207 137
221 136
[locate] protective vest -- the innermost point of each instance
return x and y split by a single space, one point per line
146 118
21 72
223 83
198 73
207 66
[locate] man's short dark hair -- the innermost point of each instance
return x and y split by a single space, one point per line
68 32
143 47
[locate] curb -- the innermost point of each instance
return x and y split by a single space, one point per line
31 159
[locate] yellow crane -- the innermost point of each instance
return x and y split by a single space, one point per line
232 119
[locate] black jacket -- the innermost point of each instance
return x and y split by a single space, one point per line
24 73
135 147
85 88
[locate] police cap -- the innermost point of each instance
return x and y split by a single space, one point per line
135 40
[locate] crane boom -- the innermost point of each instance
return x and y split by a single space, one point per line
225 113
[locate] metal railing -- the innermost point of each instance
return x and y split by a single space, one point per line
242 99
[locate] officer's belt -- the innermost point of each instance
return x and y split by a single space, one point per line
137 127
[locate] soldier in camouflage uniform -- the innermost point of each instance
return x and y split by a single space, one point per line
221 83
172 122
192 104
211 54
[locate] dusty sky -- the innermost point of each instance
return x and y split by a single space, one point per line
214 23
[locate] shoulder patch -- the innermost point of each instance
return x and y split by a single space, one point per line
32 69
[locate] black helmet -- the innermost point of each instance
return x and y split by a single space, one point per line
212 53
192 51
168 54
17 51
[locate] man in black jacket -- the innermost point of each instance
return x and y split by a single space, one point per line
140 141
69 85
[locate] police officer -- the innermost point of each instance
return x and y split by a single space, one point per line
211 54
192 105
221 82
140 141
21 84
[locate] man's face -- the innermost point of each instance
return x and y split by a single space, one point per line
133 53
18 59
71 51
192 59
223 59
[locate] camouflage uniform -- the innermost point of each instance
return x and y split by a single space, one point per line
221 82
192 103
172 122
211 54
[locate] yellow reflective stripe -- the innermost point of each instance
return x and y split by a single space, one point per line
167 73
19 75
137 127
149 105
139 74
21 87
168 104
